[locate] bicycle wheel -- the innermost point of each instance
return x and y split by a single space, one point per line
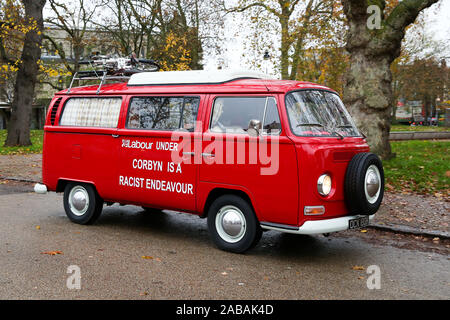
147 65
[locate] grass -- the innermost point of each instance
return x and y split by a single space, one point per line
37 138
403 127
420 167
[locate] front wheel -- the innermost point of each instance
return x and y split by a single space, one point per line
232 224
82 203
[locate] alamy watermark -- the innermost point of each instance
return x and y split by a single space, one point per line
374 20
374 279
74 280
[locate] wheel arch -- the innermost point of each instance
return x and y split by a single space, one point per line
220 191
62 182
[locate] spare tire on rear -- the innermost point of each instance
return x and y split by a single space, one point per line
364 184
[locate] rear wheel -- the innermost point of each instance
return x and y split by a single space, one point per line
232 224
82 203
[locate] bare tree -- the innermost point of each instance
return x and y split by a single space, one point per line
75 21
298 21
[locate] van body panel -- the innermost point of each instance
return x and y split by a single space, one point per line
324 156
265 181
73 155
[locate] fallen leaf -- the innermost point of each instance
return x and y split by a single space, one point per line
52 253
358 268
224 273
158 259
360 278
146 257
143 294
38 227
363 231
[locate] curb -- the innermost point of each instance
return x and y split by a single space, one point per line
410 230
418 135
19 179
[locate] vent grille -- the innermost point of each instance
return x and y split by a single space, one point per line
54 111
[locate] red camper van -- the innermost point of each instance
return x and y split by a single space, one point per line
246 152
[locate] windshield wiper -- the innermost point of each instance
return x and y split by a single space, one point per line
337 133
310 125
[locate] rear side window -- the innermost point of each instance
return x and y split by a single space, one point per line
91 112
163 113
233 114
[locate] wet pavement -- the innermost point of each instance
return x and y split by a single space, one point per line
130 254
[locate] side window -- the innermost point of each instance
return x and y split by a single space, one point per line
163 113
91 112
272 123
233 114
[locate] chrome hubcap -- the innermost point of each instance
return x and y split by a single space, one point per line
78 200
230 224
372 184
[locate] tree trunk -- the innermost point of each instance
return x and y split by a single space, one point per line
19 124
369 99
285 44
368 91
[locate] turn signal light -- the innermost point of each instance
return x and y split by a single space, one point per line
314 210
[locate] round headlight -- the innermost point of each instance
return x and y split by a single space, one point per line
324 184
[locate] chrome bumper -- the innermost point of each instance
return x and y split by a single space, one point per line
315 226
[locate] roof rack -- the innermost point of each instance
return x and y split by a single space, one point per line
97 75
192 77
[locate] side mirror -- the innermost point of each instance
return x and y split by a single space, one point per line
254 127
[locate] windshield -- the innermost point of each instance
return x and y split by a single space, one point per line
319 113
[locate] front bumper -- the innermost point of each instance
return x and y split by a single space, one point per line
315 226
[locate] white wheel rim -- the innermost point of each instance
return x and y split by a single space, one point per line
78 200
230 224
372 184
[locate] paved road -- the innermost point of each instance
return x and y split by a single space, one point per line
182 263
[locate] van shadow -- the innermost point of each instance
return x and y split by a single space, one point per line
167 223
175 225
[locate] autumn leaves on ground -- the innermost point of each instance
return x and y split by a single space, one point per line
419 166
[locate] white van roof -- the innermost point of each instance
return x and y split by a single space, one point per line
192 77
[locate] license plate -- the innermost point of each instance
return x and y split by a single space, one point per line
358 223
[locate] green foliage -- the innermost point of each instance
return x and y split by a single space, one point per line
420 166
37 139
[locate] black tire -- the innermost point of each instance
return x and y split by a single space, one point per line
251 233
92 209
152 65
357 199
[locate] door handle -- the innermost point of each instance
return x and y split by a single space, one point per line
189 153
208 155
115 135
